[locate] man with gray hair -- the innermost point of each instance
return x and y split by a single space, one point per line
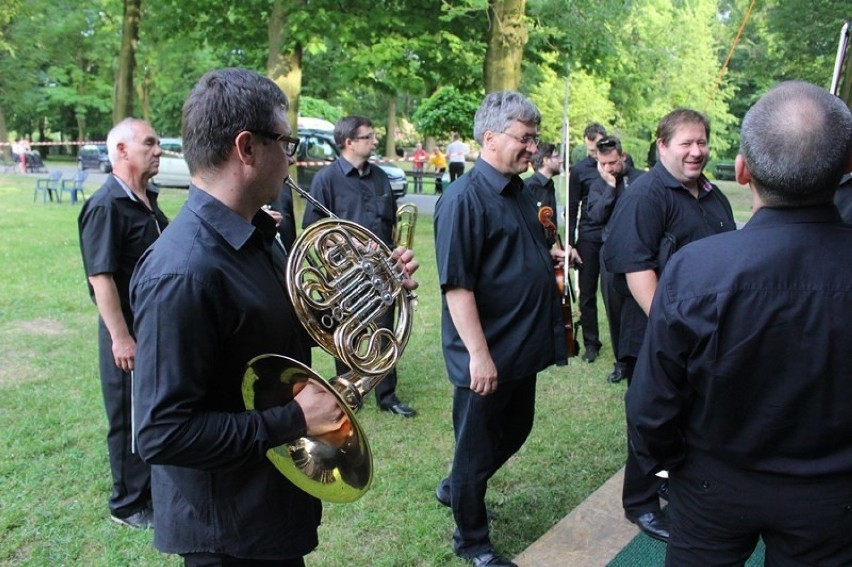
501 321
116 225
751 421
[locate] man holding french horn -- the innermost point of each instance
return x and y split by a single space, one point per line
354 189
209 297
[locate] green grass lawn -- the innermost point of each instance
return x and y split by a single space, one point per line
54 474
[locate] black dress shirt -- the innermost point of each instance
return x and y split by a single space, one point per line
603 197
748 350
363 199
843 198
543 193
656 205
581 177
208 297
488 240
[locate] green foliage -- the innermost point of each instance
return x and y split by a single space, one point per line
588 101
446 111
317 108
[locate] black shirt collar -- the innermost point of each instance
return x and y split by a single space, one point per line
231 226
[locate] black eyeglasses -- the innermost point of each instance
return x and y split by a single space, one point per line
370 136
289 144
525 140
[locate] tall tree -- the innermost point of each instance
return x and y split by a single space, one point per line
123 106
507 36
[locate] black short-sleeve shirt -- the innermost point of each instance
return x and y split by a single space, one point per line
657 204
488 240
114 232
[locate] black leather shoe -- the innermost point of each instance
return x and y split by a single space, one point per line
490 558
617 374
652 524
400 408
591 354
143 519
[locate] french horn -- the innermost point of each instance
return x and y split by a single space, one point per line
342 280
406 219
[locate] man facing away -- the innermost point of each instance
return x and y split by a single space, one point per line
116 225
668 207
742 388
456 153
616 175
501 320
356 190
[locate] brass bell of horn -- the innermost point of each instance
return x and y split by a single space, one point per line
341 280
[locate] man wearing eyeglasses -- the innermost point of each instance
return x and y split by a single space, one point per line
356 190
208 298
616 175
502 320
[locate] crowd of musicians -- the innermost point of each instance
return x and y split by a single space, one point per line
735 344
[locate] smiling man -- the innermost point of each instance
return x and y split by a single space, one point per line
665 209
501 321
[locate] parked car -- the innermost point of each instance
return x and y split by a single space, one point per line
92 156
317 149
173 169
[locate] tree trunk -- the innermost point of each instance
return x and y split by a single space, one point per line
507 36
143 94
285 68
390 137
4 136
127 61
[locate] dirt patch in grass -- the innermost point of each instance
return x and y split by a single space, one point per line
39 327
15 363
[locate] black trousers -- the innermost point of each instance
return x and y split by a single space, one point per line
588 276
456 170
488 429
639 491
220 560
718 512
613 302
131 477
386 389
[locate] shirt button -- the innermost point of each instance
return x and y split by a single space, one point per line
705 485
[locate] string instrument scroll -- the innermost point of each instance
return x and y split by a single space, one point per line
563 283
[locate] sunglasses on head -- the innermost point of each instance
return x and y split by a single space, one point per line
607 144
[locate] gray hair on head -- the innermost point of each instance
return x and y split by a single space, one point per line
121 132
500 109
796 142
